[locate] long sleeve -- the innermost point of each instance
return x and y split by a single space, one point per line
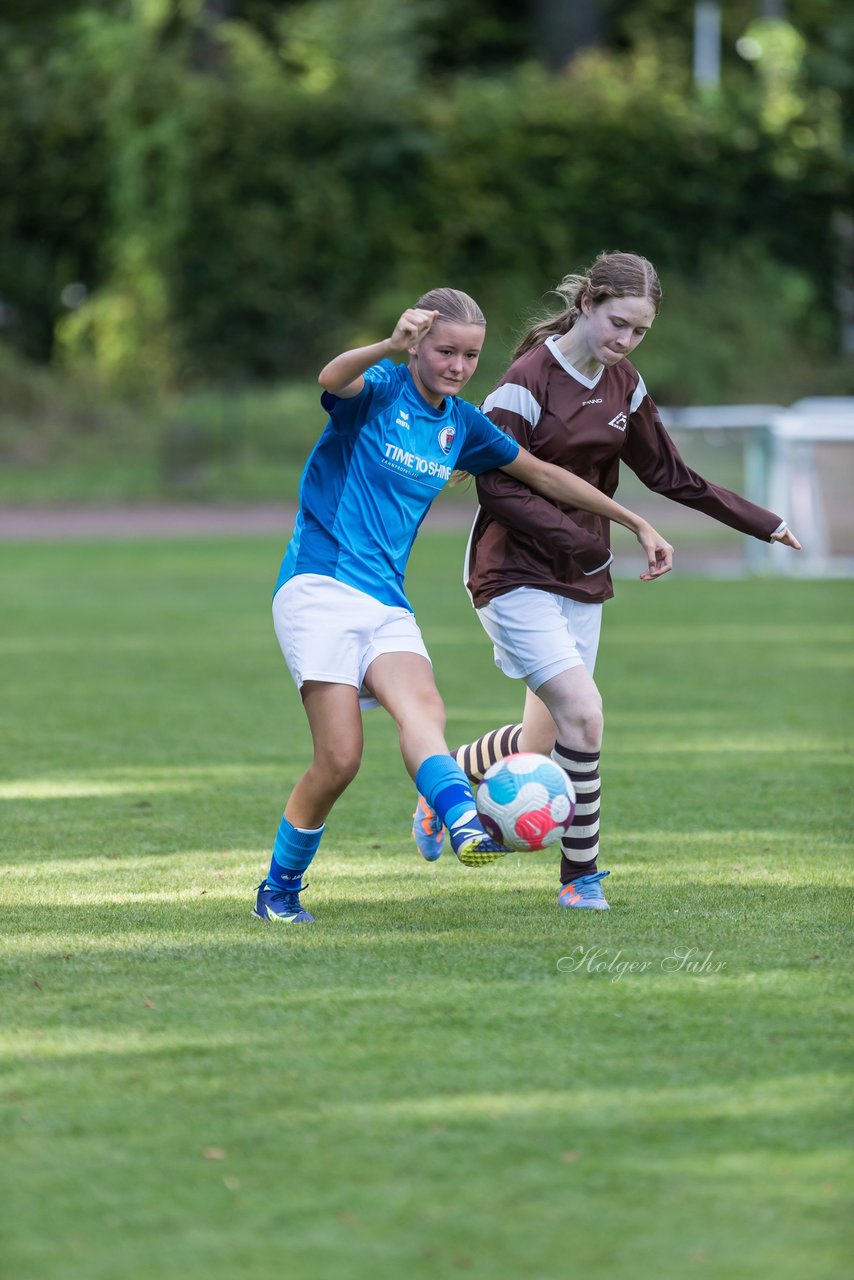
656 461
514 505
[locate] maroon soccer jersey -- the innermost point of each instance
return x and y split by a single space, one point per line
586 425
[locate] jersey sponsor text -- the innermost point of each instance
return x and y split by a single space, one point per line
405 461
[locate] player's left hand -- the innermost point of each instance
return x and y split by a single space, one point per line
659 553
787 538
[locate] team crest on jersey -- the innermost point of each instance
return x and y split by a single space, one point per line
446 438
619 422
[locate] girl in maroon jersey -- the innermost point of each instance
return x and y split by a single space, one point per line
572 398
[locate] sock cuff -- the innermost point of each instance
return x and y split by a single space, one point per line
300 837
436 771
570 754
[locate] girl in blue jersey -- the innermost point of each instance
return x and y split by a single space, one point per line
347 631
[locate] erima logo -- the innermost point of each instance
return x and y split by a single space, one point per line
446 438
619 422
584 402
402 419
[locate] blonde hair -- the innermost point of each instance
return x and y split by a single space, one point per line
612 275
453 305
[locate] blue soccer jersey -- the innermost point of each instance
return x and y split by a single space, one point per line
383 457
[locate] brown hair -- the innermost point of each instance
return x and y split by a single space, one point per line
453 305
612 275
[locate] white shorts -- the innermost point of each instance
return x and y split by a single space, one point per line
331 632
536 635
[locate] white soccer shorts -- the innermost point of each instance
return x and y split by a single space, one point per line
329 631
536 635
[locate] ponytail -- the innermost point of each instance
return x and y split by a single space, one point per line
612 275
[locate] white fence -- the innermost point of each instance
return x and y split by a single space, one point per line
781 472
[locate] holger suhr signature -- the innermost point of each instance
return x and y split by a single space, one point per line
585 959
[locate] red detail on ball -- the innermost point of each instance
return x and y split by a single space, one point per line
534 826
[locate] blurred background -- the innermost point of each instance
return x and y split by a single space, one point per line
202 200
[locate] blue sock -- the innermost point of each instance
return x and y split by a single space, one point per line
293 851
447 790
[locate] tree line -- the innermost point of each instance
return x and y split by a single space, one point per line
224 191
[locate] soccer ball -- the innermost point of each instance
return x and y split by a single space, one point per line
526 801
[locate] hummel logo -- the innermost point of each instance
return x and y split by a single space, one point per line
584 402
619 422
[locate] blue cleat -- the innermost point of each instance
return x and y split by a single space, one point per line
281 905
427 831
475 848
586 891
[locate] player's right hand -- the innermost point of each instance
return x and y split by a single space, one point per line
411 328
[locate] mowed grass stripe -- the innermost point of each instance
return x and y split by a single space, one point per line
446 1074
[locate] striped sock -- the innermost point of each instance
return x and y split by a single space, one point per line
580 847
476 757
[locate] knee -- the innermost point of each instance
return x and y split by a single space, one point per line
591 724
339 766
585 724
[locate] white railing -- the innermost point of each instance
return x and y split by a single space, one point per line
780 471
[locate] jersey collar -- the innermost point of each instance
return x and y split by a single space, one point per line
551 343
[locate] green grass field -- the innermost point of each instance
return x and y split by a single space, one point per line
446 1074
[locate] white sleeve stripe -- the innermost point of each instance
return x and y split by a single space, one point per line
515 399
467 557
588 573
640 392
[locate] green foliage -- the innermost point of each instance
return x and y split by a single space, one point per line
54 166
745 323
67 440
620 138
413 1086
241 197
47 424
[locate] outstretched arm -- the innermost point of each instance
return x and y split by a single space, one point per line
655 460
559 485
343 375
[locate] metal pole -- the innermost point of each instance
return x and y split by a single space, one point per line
757 465
707 44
